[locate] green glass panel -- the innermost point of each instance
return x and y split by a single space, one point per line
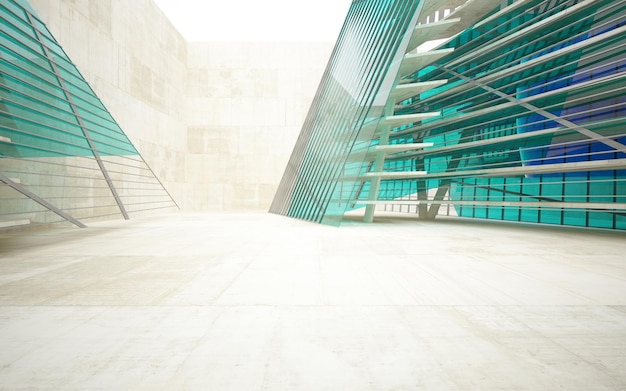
601 219
321 180
61 151
533 102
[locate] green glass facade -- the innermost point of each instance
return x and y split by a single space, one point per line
346 110
516 112
62 155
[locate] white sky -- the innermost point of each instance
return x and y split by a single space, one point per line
257 20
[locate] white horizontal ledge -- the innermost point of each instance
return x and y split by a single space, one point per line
414 62
393 175
398 120
5 139
490 141
546 204
496 45
393 121
519 68
494 109
402 147
595 165
406 91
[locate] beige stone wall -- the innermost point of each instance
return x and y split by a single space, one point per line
215 121
247 103
135 61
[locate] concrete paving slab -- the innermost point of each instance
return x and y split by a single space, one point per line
263 302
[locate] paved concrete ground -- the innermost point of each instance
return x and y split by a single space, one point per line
262 302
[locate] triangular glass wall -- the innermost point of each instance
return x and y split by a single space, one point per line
62 155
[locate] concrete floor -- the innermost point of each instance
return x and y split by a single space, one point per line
263 302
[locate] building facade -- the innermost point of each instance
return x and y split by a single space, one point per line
505 110
215 121
63 157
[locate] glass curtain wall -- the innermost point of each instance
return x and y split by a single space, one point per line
62 155
322 175
530 100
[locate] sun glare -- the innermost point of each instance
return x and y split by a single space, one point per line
253 20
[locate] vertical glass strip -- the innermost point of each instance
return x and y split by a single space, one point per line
320 178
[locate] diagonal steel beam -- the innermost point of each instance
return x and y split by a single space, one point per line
569 124
40 201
